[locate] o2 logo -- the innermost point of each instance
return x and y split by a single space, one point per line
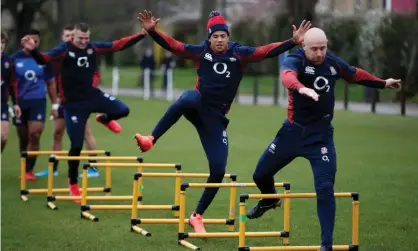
83 62
221 68
321 83
224 137
30 75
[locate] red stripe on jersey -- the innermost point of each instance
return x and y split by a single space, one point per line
197 65
290 107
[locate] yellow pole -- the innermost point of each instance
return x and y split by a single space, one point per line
108 182
50 184
177 193
50 178
233 194
242 220
182 211
22 173
135 194
286 219
140 186
355 234
84 188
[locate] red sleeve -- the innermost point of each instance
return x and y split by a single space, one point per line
290 79
255 54
96 79
188 51
363 77
118 45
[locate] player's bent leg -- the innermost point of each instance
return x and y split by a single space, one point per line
112 109
90 141
188 100
5 128
276 156
324 167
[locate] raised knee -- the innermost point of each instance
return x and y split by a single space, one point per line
324 189
125 111
189 99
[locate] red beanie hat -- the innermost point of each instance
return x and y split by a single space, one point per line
216 23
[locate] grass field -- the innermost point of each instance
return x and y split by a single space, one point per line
377 158
186 79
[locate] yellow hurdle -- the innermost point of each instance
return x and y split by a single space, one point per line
242 224
135 221
108 180
24 192
108 165
182 235
85 208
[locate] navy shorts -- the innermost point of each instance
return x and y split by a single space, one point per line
4 112
32 110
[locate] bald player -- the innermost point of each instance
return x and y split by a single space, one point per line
310 75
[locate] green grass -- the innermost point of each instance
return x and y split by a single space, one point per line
186 79
377 158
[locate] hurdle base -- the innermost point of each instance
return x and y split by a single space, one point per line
51 205
24 198
188 245
89 216
299 248
140 231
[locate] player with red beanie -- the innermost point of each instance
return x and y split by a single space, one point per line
220 65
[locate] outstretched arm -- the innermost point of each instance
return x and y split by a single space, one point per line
44 58
256 54
188 51
357 75
118 45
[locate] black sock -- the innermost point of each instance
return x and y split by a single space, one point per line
56 166
30 163
73 166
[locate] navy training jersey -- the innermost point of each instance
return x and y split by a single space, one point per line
78 69
297 71
219 75
8 84
31 77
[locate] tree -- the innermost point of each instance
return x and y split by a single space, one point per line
205 8
23 14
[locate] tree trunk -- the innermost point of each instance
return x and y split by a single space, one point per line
205 8
23 18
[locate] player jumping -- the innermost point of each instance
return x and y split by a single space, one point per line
310 75
80 97
59 122
220 65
